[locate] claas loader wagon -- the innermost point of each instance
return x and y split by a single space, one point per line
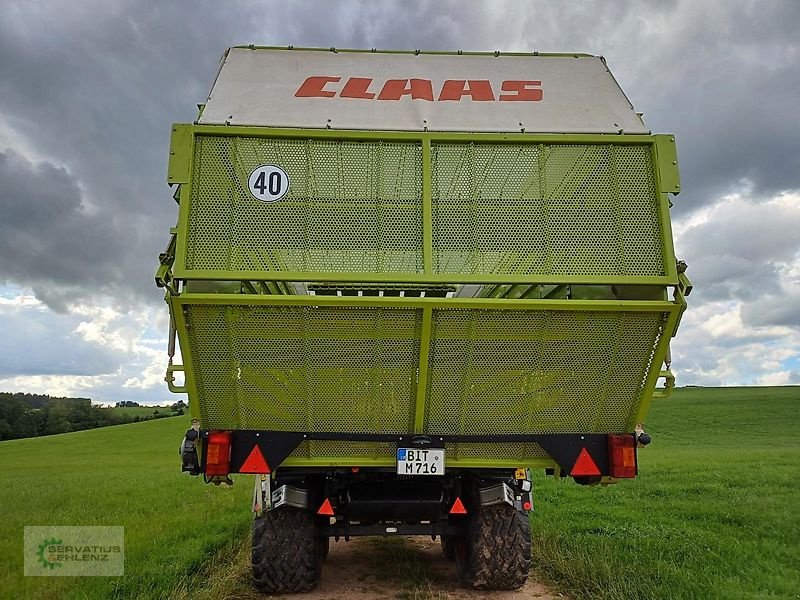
400 281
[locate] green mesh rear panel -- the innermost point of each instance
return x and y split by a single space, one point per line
305 369
545 210
355 370
555 210
351 206
501 371
356 206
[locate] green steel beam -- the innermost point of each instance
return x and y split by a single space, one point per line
415 278
434 303
427 208
180 154
667 163
182 228
419 136
422 372
667 244
190 383
655 366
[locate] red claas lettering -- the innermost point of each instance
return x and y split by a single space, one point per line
418 89
477 89
314 87
525 91
451 90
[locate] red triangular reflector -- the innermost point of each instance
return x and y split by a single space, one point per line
584 465
458 507
326 509
255 462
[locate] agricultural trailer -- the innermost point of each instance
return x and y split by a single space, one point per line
402 280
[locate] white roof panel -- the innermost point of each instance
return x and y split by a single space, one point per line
410 92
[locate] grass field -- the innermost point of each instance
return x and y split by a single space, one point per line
124 475
715 512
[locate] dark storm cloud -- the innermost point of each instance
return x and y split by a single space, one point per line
93 87
725 81
47 239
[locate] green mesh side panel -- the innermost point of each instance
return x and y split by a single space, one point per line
494 371
351 207
355 370
305 369
545 209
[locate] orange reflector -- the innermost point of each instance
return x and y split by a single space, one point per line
584 465
622 455
458 507
255 462
326 510
218 453
628 457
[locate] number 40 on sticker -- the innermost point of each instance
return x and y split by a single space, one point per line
268 183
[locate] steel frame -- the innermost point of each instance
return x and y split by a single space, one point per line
264 287
181 164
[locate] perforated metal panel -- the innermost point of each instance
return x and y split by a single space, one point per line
545 209
305 369
496 371
355 370
497 210
351 206
356 207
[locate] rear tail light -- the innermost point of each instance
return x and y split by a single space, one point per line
622 455
218 453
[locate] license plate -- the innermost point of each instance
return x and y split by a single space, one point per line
413 461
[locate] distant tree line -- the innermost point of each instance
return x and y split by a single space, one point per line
30 415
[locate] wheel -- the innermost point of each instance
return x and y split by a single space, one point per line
287 552
496 552
448 547
325 546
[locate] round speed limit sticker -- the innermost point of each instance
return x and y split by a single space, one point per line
268 183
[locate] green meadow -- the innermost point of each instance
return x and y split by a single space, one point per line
714 513
122 475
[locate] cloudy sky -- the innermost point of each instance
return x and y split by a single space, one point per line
88 90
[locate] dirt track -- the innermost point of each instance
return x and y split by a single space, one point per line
402 568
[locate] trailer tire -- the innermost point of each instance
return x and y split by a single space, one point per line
287 551
496 553
325 546
448 547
